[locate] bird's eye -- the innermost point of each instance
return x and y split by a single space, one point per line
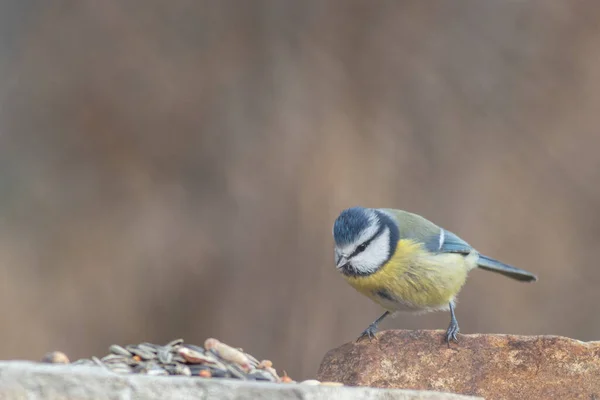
361 248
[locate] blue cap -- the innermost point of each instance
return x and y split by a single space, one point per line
349 225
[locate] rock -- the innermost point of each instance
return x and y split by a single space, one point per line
20 380
491 366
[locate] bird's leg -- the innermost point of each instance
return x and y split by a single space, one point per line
453 328
372 329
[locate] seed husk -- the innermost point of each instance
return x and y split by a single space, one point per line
177 358
118 350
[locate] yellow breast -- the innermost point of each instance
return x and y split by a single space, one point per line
415 279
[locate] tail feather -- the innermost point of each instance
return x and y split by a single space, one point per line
489 264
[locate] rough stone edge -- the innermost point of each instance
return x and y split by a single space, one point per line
33 381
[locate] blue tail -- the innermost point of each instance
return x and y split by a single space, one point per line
489 264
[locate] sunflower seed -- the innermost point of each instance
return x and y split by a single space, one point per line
178 359
148 347
235 371
164 355
174 343
195 348
194 357
273 373
111 358
215 360
196 368
228 353
146 368
253 361
258 375
219 373
178 369
143 354
118 350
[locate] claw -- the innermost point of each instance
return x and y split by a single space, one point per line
451 334
372 329
369 333
453 328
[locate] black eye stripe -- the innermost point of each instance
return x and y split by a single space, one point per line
361 247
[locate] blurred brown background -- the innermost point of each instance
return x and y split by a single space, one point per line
173 169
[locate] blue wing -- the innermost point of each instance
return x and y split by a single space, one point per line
447 242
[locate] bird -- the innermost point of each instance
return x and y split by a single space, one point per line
406 263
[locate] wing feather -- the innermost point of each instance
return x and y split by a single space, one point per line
451 243
434 238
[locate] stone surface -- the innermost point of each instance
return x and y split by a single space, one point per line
20 380
491 366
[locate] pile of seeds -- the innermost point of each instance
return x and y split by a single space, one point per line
214 360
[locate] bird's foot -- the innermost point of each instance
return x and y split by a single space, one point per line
368 333
452 331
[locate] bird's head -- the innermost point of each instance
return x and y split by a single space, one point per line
363 240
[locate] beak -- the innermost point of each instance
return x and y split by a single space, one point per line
340 260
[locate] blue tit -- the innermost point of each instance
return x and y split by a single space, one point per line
405 262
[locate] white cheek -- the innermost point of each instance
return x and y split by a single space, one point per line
375 255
